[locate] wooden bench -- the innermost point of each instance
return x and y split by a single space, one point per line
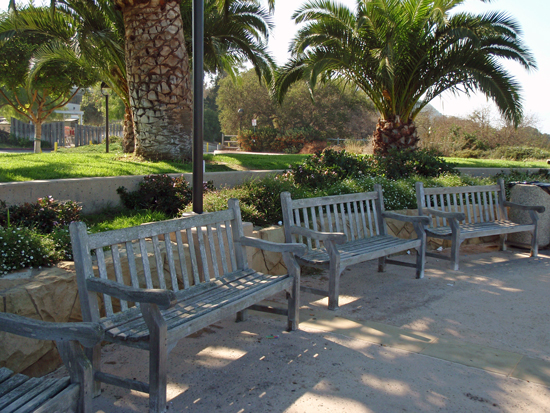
344 230
199 264
459 213
19 393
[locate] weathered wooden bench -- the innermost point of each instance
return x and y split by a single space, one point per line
200 267
459 213
19 393
344 230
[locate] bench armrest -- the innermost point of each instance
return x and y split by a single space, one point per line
295 248
162 298
406 218
88 334
459 216
539 209
335 237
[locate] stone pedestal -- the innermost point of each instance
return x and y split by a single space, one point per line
530 195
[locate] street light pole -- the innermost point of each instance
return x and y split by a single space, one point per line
198 104
105 92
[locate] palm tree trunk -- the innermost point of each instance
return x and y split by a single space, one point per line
392 133
158 79
128 136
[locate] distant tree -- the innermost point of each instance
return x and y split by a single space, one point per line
35 91
332 110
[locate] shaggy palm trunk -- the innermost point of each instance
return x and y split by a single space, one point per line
158 76
390 134
128 137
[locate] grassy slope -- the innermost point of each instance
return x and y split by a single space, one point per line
91 161
495 163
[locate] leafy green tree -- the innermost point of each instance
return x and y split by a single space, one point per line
332 110
36 90
403 54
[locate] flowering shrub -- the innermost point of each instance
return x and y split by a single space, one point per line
22 247
43 215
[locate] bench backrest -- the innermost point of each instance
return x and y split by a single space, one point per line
478 203
356 215
175 254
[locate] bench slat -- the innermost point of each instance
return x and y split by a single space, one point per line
221 244
159 262
171 265
231 245
5 374
44 390
118 272
460 189
102 269
193 255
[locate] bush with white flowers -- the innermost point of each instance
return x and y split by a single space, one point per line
22 248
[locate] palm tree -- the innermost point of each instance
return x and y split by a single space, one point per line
404 53
157 91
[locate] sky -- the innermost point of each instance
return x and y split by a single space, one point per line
532 16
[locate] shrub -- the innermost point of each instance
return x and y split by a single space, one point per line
404 163
158 193
259 140
22 247
517 175
329 166
267 139
520 153
44 215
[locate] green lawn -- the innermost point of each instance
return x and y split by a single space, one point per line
495 163
91 161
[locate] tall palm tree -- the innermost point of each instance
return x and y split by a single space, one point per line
157 92
404 53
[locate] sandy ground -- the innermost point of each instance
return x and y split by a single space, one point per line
472 331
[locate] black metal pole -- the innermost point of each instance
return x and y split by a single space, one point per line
107 123
198 103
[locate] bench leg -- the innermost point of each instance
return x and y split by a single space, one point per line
455 253
94 355
381 264
333 286
503 242
534 242
158 357
241 316
421 259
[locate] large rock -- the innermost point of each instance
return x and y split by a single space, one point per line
530 195
48 294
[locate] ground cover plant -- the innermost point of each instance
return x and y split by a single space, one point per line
35 234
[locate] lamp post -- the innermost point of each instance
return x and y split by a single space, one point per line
105 91
241 113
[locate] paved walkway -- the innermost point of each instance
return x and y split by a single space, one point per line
475 340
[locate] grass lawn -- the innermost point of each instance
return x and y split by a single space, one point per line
495 163
91 161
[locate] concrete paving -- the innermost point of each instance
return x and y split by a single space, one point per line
474 340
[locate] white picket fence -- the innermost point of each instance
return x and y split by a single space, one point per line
57 132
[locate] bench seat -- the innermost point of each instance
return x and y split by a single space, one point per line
486 228
195 311
23 394
361 250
